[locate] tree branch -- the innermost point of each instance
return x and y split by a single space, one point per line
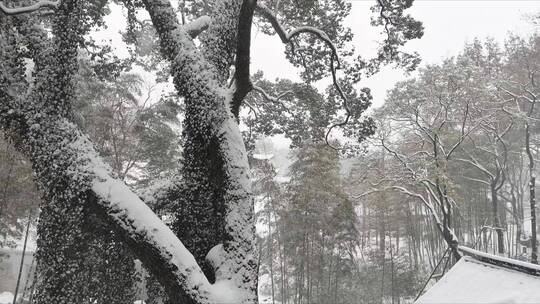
399 158
476 180
425 202
286 37
149 238
345 104
30 8
477 165
242 82
273 99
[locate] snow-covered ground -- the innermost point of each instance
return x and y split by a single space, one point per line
267 299
6 297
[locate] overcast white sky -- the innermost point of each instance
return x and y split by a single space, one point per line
448 25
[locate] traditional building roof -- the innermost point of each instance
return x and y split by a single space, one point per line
483 278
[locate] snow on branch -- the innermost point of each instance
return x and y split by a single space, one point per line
144 230
446 231
197 26
28 9
286 37
273 99
400 158
127 210
149 238
425 202
476 180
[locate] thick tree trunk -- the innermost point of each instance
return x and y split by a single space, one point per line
65 241
216 161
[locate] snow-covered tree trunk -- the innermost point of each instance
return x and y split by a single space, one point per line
67 233
63 216
201 196
216 207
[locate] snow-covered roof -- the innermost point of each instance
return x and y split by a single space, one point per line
484 278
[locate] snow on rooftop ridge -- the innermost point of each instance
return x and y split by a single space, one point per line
529 268
474 281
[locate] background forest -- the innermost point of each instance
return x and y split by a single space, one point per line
372 216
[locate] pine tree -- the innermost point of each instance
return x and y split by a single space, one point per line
320 225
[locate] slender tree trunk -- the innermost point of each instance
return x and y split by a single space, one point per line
28 276
496 219
391 270
532 196
270 245
22 259
382 278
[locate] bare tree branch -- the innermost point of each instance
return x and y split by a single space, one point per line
476 180
252 109
425 202
400 158
477 165
286 37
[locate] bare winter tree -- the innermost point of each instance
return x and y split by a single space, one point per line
523 90
427 121
493 171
